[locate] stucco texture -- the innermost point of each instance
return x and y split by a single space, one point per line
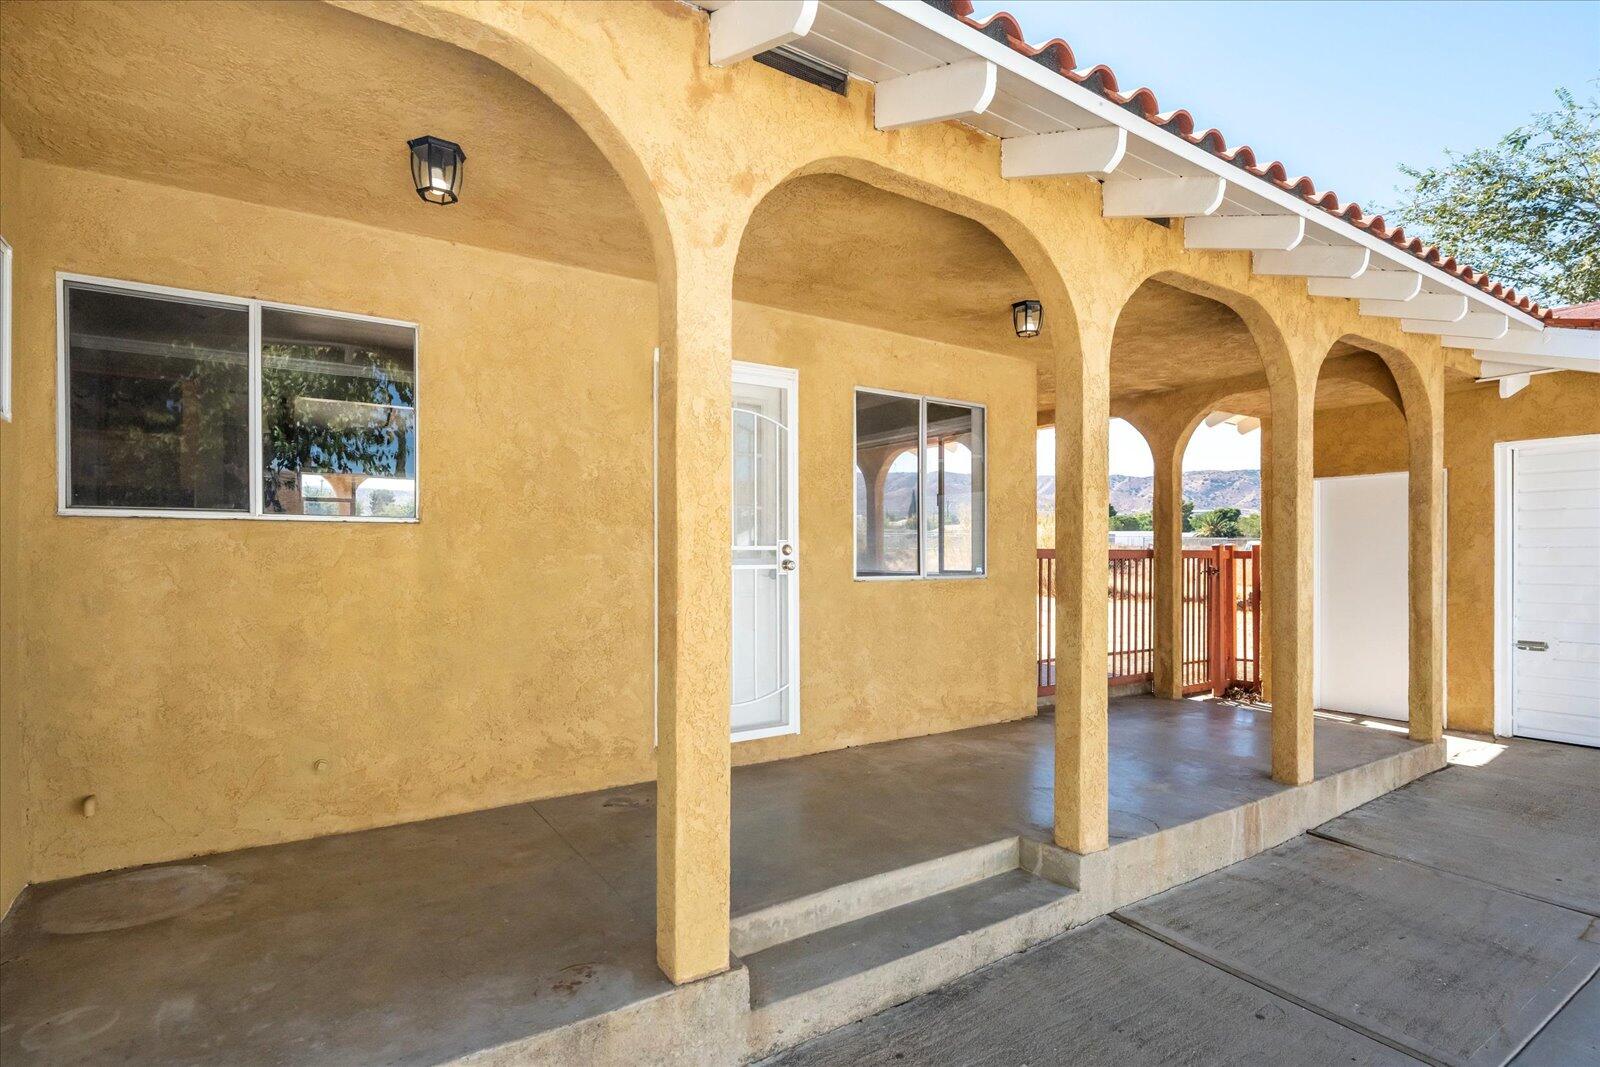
190 673
1371 440
14 863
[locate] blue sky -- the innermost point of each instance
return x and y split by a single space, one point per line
1344 92
1340 91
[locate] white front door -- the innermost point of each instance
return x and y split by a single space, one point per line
1554 568
766 605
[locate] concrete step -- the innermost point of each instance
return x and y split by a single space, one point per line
816 983
758 930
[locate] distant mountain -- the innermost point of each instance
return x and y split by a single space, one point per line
1131 494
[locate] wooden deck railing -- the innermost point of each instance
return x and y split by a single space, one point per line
1221 618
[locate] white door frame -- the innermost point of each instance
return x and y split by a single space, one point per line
1505 682
787 379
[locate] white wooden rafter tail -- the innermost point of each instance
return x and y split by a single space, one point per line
1372 285
1096 151
1475 324
1552 341
1161 198
1433 307
747 27
1314 261
963 89
1512 384
1244 233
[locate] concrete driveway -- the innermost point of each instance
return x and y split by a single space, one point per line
1455 921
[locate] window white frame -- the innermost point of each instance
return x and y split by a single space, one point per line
253 307
1505 674
5 330
787 379
922 573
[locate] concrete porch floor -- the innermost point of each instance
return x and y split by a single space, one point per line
430 941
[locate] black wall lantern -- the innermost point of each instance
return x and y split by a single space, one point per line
1028 317
436 169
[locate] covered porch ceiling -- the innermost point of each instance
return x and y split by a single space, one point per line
304 106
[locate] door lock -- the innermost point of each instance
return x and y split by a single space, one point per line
786 548
1533 646
788 564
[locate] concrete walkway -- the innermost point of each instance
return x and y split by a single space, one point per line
1452 921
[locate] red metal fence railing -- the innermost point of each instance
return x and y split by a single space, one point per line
1221 618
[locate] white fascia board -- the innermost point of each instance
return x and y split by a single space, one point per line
1314 261
1488 325
1586 364
1489 370
1372 285
1161 198
960 90
1434 307
1098 151
1551 342
1245 233
931 20
746 27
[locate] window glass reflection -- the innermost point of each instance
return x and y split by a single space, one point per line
338 416
159 400
888 429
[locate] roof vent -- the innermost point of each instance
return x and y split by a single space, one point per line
797 64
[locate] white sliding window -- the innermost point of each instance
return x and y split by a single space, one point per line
197 405
920 500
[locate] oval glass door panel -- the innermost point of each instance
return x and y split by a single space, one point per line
765 557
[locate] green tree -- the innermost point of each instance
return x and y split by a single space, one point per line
1188 516
1250 526
1526 210
1218 522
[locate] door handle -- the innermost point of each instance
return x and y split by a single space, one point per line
1533 646
788 564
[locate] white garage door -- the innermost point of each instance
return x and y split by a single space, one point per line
1363 620
1554 656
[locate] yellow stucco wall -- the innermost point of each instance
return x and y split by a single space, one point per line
1371 439
13 827
881 659
189 673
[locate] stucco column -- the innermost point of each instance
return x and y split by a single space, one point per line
1290 566
695 615
1083 415
1425 435
1264 653
1166 449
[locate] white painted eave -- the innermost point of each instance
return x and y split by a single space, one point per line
900 37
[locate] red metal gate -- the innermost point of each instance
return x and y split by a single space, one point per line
1221 618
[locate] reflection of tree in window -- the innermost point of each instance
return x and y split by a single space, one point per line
338 409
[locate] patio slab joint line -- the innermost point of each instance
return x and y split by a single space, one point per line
1337 839
1241 973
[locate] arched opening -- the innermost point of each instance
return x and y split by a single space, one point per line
916 493
1190 369
1362 515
